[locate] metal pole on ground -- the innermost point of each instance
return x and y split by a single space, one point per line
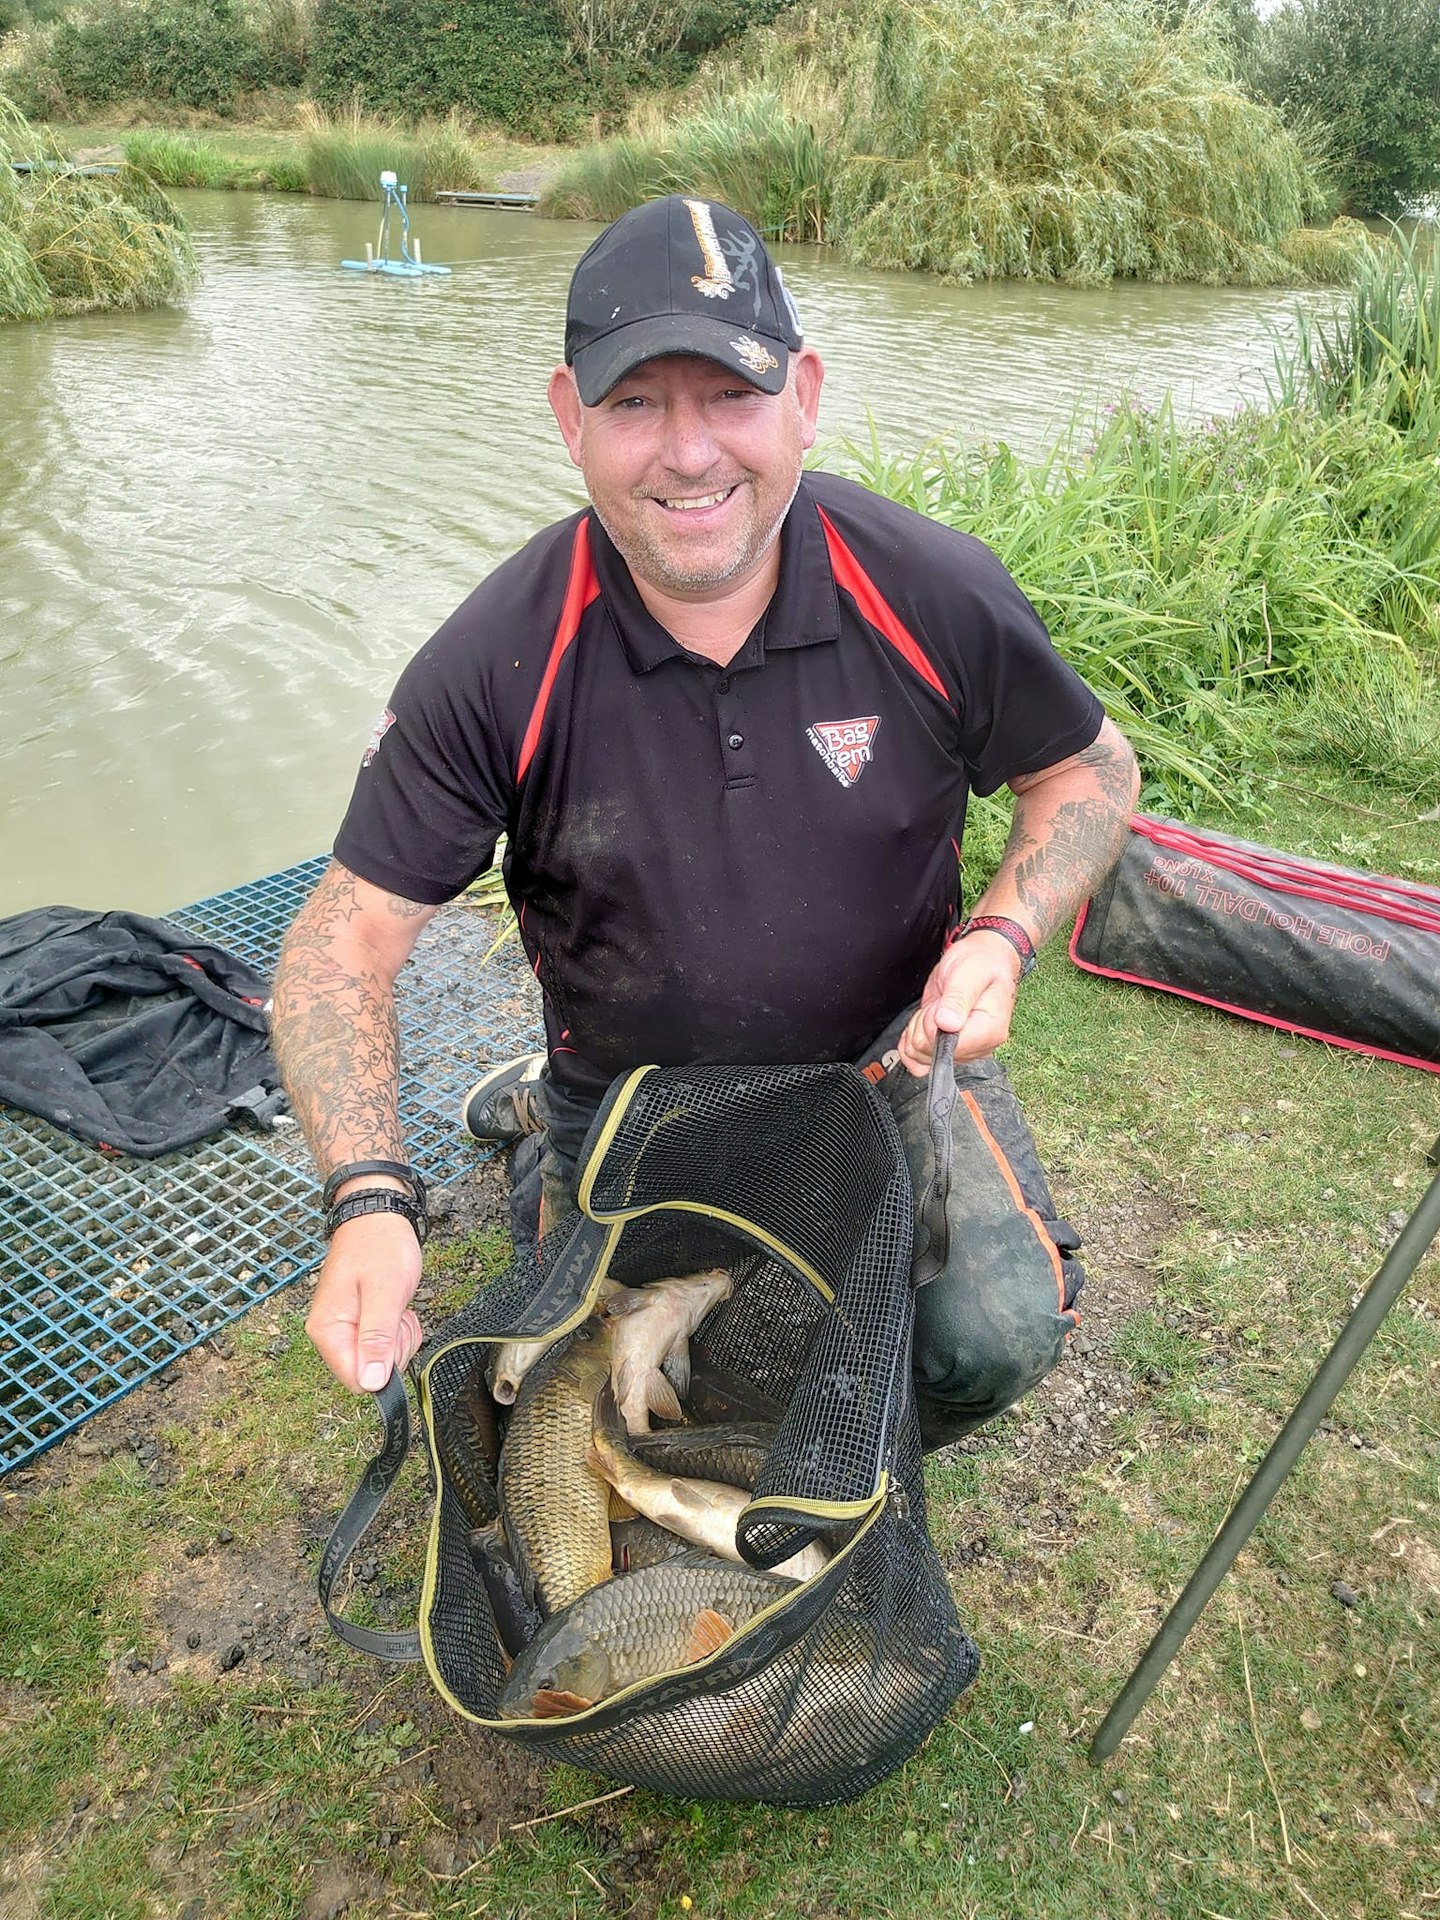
1359 1330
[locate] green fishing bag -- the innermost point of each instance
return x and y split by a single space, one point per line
793 1178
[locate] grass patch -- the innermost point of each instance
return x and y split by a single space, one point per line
177 159
346 153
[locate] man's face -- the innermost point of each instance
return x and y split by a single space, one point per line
690 469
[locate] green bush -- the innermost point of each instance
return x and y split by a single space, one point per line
505 61
1365 75
198 54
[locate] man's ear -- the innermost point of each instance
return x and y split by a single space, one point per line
808 372
568 412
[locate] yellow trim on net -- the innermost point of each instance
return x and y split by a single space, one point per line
827 1510
621 1215
566 1721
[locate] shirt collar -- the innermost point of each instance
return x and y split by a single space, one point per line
804 609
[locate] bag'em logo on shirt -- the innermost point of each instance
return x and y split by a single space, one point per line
381 728
845 745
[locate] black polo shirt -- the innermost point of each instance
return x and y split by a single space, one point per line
757 862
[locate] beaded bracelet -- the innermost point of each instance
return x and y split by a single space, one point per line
1007 929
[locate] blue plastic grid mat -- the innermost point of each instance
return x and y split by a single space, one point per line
110 1267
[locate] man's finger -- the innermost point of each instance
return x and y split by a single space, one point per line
379 1347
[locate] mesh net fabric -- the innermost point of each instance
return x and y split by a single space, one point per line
793 1178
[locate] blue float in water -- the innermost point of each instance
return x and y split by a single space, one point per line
378 259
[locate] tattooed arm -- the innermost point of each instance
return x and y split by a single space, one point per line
1067 832
335 1040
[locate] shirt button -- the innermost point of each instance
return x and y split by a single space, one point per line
725 684
736 741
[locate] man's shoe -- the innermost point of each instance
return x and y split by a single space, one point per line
502 1105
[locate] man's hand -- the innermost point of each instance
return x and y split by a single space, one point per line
1067 832
334 1034
359 1317
970 994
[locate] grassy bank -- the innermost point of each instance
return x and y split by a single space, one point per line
1270 577
1235 1188
1014 140
335 156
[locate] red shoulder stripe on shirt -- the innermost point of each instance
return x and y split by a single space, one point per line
850 575
580 589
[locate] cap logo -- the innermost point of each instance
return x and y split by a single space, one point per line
716 282
752 356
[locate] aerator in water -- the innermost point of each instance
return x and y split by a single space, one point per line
378 258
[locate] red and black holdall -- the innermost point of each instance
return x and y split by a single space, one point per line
1348 957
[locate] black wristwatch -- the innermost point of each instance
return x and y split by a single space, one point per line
377 1200
353 1169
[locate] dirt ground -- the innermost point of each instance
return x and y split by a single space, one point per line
222 1608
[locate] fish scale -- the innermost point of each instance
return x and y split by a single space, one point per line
636 1627
557 1512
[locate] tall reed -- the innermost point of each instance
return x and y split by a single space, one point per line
346 153
750 152
1204 580
79 243
1072 140
1381 350
177 159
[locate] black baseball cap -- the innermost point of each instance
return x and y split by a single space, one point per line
680 275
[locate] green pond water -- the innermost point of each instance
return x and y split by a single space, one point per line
224 529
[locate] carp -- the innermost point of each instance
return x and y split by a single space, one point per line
514 1359
650 1341
733 1454
705 1512
467 1440
637 1626
557 1509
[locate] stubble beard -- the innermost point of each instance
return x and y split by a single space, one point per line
650 559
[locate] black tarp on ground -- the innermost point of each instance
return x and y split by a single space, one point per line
125 1031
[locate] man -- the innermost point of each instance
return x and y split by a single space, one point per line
728 719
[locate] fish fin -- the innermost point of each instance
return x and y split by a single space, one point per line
709 1633
620 1508
624 1300
550 1703
661 1398
607 1423
676 1367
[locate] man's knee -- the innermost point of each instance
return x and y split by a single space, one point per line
990 1328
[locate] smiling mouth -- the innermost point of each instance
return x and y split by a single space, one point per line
700 500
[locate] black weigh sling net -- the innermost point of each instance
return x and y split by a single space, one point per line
794 1179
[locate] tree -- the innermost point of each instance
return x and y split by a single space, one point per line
1363 78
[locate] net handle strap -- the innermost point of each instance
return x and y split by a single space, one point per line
932 1208
379 1476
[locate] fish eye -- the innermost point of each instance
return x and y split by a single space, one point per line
546 1679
